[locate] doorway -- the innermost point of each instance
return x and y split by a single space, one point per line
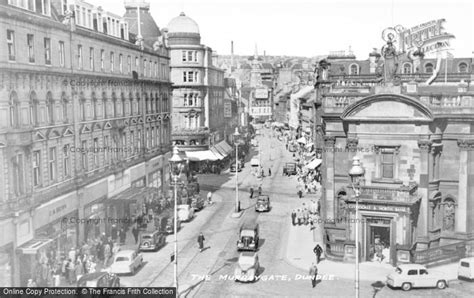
379 243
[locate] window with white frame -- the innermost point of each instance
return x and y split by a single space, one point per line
52 164
91 59
102 60
36 168
150 66
62 54
30 38
96 152
11 45
121 63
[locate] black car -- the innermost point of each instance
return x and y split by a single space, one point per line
99 280
232 167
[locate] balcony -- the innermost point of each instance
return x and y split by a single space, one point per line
403 194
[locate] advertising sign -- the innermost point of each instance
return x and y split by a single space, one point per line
261 93
429 36
227 109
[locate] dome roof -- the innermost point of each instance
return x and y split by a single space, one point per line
183 24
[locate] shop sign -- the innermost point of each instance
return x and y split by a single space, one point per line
227 109
380 208
54 210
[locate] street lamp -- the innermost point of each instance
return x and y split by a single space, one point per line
176 167
357 173
236 143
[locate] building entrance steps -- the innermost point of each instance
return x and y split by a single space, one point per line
299 253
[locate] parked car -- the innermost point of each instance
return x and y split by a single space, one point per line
247 267
170 225
152 241
126 261
466 269
262 203
197 203
99 279
233 167
408 276
248 237
185 212
289 169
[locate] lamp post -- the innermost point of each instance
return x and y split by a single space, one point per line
356 172
236 143
176 167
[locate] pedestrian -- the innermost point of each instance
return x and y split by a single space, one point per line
79 269
260 190
313 272
299 216
300 193
209 198
200 241
286 146
71 272
318 250
293 217
251 192
135 233
269 172
122 235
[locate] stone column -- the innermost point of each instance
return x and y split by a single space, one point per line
465 205
423 189
328 163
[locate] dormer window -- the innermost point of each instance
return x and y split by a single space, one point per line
407 68
429 68
462 67
354 69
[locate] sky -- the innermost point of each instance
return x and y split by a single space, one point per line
309 27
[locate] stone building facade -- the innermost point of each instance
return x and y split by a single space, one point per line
84 116
413 133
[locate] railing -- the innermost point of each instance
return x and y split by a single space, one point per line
445 252
335 248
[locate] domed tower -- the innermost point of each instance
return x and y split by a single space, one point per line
183 30
148 30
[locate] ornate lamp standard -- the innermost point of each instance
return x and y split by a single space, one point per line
236 143
176 167
357 173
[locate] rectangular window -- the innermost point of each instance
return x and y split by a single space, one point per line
150 65
47 51
132 142
121 63
91 59
195 56
387 164
185 97
184 56
190 55
139 140
30 40
136 64
11 45
67 161
79 57
112 61
52 164
62 54
129 63
102 60
84 155
18 175
37 168
144 67
106 149
96 152
156 69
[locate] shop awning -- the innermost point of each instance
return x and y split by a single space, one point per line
301 140
133 194
31 247
217 154
201 155
223 148
313 164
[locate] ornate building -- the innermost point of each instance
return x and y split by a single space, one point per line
84 117
412 129
198 93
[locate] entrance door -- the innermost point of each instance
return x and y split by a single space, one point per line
379 243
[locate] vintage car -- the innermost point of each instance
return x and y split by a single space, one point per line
170 225
289 169
248 237
151 241
262 203
247 267
99 279
408 276
466 269
185 212
197 203
126 261
233 167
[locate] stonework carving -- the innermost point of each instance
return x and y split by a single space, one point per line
466 144
449 215
424 145
329 141
351 143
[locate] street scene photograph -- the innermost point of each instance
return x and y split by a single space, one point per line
224 148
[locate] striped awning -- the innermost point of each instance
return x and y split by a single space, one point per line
217 153
201 155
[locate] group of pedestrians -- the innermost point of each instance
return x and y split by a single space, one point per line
251 190
306 214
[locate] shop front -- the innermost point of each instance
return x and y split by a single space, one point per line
95 221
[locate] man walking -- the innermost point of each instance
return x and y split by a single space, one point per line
269 172
135 233
318 251
300 193
201 242
313 272
293 217
251 192
260 190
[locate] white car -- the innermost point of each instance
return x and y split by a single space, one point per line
408 276
247 267
185 212
126 261
466 269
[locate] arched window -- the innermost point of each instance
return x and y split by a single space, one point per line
82 106
50 107
152 103
33 109
449 219
157 103
139 107
354 69
462 67
406 68
342 211
130 107
429 68
64 103
114 104
14 107
104 105
95 107
147 103
122 99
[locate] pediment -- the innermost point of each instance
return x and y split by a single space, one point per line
85 129
54 134
126 122
68 132
148 119
140 120
390 107
39 136
107 125
134 121
96 127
